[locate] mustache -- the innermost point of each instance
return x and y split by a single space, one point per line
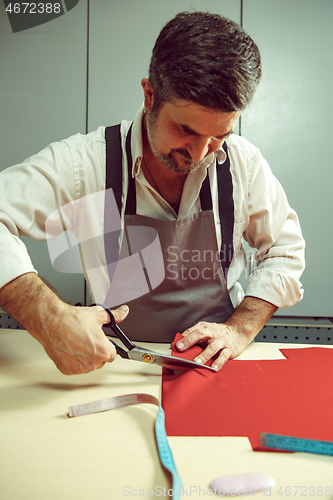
183 152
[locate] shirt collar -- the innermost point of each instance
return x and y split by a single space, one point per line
136 142
221 156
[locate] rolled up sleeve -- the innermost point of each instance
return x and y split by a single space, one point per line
275 232
29 193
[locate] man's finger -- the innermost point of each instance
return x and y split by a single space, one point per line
113 354
222 359
210 351
120 313
188 341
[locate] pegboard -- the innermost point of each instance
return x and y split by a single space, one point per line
7 321
296 334
321 335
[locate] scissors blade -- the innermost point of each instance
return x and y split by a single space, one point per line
151 357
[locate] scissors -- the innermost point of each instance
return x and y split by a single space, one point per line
137 353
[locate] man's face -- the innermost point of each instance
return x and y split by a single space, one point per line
182 134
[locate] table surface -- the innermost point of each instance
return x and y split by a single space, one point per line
44 455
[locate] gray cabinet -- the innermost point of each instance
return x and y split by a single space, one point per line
122 35
42 100
291 123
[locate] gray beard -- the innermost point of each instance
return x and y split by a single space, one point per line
169 159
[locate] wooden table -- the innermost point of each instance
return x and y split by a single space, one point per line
44 455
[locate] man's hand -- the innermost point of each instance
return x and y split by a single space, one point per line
71 336
76 342
228 340
221 338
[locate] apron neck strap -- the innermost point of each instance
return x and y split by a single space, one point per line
226 211
113 162
226 207
205 195
131 193
114 167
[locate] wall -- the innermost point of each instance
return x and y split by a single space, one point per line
51 87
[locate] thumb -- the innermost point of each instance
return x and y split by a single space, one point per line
120 313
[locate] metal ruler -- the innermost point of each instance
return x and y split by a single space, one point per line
288 443
164 450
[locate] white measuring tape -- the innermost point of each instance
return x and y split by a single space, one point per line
161 437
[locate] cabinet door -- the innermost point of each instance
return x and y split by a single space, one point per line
291 124
43 99
122 35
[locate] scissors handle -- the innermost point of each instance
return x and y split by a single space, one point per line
115 328
120 350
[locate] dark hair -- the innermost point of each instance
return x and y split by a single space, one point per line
206 59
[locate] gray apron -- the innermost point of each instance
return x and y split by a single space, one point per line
194 287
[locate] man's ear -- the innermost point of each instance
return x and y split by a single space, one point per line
148 92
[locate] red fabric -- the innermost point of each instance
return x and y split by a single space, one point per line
291 396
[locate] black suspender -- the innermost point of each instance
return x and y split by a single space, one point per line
114 176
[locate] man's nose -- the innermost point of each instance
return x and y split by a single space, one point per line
199 148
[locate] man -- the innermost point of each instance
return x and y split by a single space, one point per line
199 195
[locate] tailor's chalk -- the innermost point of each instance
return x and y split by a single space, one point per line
240 484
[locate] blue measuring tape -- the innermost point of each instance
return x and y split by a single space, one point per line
288 443
164 449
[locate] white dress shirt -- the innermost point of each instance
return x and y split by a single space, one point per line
70 169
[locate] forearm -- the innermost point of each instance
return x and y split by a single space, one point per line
32 303
250 317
